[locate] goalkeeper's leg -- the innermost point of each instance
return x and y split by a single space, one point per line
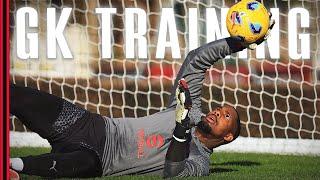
80 164
42 112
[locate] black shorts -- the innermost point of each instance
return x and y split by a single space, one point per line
77 129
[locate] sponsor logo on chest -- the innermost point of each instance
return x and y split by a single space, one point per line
149 141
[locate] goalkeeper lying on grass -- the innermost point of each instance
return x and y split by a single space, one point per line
174 142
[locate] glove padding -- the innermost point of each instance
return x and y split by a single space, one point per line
253 46
181 132
184 102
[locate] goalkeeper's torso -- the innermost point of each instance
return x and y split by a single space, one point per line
137 145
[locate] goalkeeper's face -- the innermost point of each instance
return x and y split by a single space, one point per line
221 123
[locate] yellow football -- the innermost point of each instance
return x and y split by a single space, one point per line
249 19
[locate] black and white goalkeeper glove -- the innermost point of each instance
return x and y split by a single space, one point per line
184 104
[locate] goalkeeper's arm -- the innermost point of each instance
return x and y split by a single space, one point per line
178 150
199 60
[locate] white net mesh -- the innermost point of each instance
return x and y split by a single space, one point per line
276 98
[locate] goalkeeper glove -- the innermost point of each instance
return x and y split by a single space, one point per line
184 104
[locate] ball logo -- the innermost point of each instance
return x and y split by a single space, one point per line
253 5
235 18
255 28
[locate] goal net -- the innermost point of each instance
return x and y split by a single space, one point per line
275 89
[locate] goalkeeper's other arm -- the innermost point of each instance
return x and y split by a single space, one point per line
178 150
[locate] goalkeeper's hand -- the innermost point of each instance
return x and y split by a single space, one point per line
184 104
253 46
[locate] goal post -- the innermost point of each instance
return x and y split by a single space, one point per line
275 88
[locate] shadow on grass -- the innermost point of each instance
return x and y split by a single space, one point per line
237 163
216 169
221 170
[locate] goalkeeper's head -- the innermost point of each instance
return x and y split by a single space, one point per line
218 127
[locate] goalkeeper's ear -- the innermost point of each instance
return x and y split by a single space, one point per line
228 138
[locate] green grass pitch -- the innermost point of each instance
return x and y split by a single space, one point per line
232 166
